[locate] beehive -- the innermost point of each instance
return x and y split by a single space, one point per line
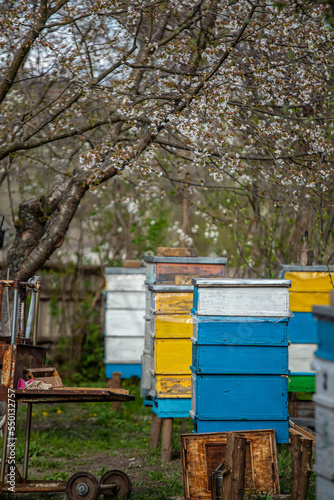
324 400
310 285
240 355
124 320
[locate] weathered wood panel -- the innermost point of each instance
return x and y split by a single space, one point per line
125 300
301 357
234 397
171 387
124 323
222 359
218 330
242 301
202 453
172 326
166 272
173 303
123 349
172 356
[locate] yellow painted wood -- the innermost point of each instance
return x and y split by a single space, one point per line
304 301
173 326
173 303
173 387
172 356
306 281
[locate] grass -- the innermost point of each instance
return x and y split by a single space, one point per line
67 438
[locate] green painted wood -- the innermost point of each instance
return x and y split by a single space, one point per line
301 383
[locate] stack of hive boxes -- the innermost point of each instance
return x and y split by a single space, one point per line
240 356
310 285
124 320
324 402
167 357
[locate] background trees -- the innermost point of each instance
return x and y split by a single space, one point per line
213 119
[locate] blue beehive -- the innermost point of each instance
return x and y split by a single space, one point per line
240 358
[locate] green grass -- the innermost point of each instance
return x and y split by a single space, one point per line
67 438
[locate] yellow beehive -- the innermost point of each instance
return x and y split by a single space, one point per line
308 289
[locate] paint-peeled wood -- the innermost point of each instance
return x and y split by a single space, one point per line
166 272
301 357
171 386
123 349
242 301
173 303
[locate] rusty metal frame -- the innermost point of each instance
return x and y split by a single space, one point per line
21 349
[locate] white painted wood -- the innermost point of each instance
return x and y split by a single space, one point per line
243 301
125 323
324 423
325 377
129 282
146 376
325 488
301 357
123 349
237 282
125 300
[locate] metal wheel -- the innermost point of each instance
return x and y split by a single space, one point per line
82 486
115 484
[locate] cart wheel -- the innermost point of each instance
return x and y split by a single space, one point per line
115 484
82 486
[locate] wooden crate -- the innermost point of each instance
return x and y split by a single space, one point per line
201 454
239 397
238 297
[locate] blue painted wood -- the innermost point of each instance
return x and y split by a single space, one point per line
325 338
213 330
302 328
230 359
127 370
281 427
239 397
171 408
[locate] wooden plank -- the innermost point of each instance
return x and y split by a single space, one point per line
131 263
261 464
173 303
302 432
125 300
219 359
227 330
124 324
306 281
233 397
304 301
172 356
123 349
166 272
301 357
301 383
302 328
171 386
242 301
176 252
126 282
172 326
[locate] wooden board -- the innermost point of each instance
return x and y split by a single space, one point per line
165 386
132 282
219 359
123 349
124 323
217 330
171 407
304 301
301 357
241 301
173 303
202 453
302 328
172 356
239 397
172 326
125 300
306 281
166 272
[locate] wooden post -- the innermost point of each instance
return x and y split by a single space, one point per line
166 440
301 456
235 462
155 431
115 383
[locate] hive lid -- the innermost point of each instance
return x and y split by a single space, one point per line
185 260
125 270
311 269
170 288
233 282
